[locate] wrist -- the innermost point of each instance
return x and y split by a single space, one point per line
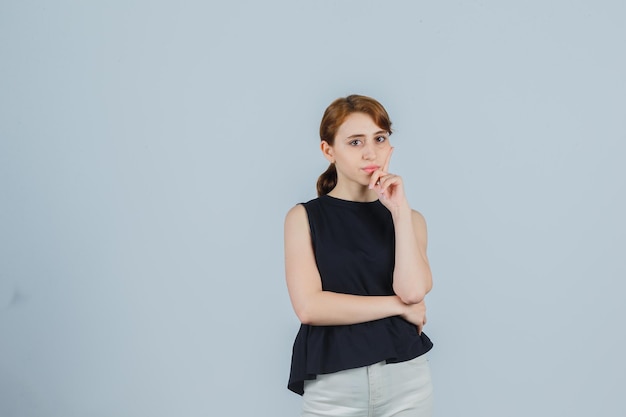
401 212
401 308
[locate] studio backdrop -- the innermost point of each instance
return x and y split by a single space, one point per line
149 152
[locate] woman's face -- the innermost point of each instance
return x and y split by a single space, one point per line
360 148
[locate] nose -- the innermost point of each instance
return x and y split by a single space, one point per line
369 153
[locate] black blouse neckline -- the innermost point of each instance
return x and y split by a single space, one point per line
349 203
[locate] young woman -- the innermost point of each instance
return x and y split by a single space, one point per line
357 274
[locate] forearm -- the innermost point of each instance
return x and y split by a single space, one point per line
412 278
326 308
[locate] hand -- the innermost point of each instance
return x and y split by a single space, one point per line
389 187
416 314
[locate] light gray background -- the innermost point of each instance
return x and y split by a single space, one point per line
149 151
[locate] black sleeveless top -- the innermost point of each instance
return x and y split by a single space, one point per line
354 247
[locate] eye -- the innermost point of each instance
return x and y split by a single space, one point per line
381 139
355 142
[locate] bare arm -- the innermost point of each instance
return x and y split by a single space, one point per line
317 307
412 278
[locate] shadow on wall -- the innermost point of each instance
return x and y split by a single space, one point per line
11 297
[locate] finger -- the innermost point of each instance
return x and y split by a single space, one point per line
419 329
387 181
379 185
374 179
386 165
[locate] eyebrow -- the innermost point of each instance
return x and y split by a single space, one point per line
361 135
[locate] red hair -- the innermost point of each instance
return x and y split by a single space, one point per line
334 116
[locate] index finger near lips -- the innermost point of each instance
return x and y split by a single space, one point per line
374 178
386 165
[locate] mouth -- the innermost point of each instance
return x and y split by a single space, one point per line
370 168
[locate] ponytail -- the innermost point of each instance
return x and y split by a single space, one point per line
327 181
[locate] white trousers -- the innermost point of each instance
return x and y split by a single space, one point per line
381 390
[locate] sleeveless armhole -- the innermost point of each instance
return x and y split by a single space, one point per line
307 208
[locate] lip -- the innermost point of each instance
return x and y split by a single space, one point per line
370 168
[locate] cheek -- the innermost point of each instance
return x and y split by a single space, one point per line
346 154
384 149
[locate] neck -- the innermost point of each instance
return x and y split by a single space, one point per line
353 192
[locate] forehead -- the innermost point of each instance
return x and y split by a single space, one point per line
358 124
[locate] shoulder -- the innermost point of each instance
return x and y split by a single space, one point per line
300 211
296 218
296 213
297 231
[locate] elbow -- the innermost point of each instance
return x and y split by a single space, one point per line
414 297
429 287
304 319
304 316
413 294
414 289
308 309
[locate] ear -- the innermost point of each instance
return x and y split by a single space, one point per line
328 151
